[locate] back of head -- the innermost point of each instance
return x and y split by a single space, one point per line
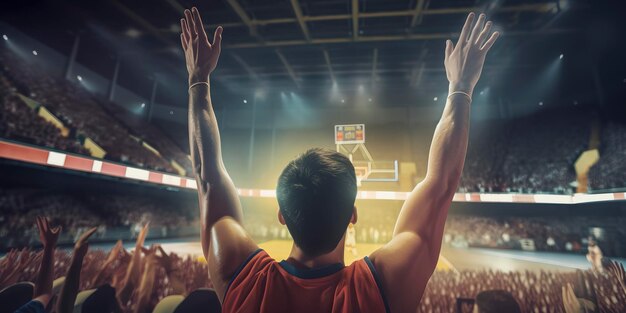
316 194
200 300
101 300
16 295
494 301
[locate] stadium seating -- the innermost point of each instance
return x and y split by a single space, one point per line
83 115
116 215
534 154
610 171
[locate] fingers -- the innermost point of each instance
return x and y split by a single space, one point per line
466 28
449 48
190 24
39 225
87 234
477 28
483 35
163 253
490 42
185 35
217 38
198 23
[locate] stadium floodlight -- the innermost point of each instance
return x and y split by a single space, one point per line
435 99
143 105
245 101
540 103
80 78
561 56
5 37
35 52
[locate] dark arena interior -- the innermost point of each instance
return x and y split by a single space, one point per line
130 182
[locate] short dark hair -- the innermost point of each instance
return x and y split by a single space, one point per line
316 194
494 301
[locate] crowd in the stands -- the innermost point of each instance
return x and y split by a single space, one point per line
117 216
149 279
533 154
84 115
610 171
563 234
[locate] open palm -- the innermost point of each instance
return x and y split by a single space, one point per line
200 55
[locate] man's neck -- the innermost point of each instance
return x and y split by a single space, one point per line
299 259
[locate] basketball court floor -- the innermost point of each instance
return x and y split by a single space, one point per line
454 259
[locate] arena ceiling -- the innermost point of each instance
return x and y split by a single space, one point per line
382 46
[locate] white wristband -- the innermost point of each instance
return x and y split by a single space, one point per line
198 83
462 93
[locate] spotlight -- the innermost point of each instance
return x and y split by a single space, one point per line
540 103
561 56
5 37
35 52
80 78
133 33
435 99
245 101
143 105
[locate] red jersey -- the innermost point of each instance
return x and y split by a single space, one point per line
263 285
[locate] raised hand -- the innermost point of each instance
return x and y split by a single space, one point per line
200 55
570 301
141 238
464 62
81 246
47 235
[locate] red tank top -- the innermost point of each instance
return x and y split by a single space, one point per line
266 286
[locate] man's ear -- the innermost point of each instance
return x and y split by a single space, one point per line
281 219
355 216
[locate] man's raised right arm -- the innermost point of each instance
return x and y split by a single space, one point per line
408 260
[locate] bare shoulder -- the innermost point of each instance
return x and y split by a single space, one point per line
404 267
230 246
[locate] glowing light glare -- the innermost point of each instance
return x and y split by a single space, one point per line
540 103
435 99
482 92
35 52
5 37
171 112
343 100
143 105
370 99
561 56
245 101
80 78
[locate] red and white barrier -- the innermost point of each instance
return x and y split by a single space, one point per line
42 156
